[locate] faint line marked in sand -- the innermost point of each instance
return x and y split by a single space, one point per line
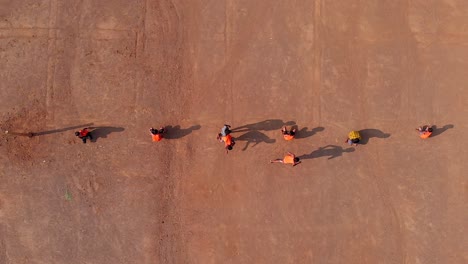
52 61
317 61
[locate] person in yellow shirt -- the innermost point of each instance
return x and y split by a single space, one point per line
354 137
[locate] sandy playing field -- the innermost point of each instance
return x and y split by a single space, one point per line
120 66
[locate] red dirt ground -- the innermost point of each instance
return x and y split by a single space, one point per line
329 66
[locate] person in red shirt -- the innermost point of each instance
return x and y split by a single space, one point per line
288 159
288 135
157 135
425 131
228 141
84 134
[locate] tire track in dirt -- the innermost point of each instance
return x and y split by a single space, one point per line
139 50
52 61
234 52
374 167
62 51
316 110
3 251
3 229
410 70
172 71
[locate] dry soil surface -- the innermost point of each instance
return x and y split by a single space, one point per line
119 66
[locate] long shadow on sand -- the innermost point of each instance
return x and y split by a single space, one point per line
266 125
103 132
41 133
437 131
332 151
175 132
254 137
369 133
303 133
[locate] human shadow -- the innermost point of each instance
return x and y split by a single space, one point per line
437 131
266 125
103 131
369 133
175 132
330 150
254 137
303 133
41 133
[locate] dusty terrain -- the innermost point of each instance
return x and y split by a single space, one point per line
384 67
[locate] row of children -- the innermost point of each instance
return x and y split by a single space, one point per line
354 137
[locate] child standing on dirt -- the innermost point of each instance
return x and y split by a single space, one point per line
84 134
157 135
353 138
425 131
288 159
288 134
226 130
228 141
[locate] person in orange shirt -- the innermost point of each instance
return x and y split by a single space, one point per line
84 134
425 131
228 141
157 135
288 135
288 159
